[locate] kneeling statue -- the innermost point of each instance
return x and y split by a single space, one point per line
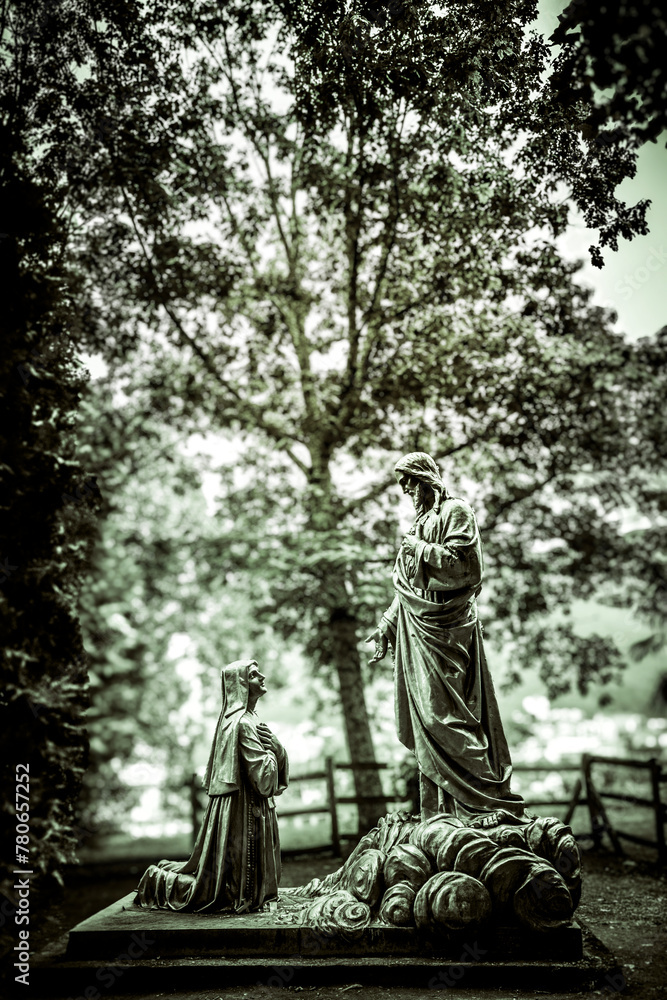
235 864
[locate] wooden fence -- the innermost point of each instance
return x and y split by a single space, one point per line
600 823
584 793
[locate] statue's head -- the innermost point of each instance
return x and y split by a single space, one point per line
419 477
242 686
256 684
235 687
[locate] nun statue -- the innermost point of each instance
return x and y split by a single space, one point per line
235 864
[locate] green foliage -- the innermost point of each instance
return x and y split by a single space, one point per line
609 59
351 254
334 233
152 577
49 506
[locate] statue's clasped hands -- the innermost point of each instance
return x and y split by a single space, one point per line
267 739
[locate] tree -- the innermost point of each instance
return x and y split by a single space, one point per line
143 587
609 64
331 229
49 504
51 500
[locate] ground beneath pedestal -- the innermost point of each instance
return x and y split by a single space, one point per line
624 901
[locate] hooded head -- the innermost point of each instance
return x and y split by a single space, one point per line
234 679
223 773
422 467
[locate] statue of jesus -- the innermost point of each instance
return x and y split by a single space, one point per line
446 708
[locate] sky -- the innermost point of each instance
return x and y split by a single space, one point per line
634 279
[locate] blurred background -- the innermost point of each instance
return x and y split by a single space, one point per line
155 789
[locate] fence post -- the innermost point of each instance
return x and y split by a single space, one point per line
656 775
331 792
599 819
596 831
572 805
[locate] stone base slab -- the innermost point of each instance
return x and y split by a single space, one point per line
124 948
125 929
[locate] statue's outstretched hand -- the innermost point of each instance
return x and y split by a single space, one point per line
381 645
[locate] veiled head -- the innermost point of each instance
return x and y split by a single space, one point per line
235 686
223 773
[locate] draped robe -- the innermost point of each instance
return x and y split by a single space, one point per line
446 708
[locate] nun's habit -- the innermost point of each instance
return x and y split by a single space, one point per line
235 864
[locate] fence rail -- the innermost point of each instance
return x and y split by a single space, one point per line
585 783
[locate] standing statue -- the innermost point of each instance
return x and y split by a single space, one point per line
235 864
446 709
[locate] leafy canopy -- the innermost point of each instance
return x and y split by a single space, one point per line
331 228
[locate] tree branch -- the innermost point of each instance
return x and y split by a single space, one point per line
357 367
259 421
291 317
389 229
350 388
292 324
264 155
295 227
520 495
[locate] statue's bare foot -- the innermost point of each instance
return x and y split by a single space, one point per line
498 817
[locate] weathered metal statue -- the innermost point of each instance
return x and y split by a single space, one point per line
446 708
439 872
235 864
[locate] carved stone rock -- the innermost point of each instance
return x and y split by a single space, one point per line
451 901
364 878
407 863
443 875
339 914
398 905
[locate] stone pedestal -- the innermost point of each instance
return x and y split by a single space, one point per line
123 927
147 949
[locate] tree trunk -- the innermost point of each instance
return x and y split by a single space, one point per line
355 714
342 646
